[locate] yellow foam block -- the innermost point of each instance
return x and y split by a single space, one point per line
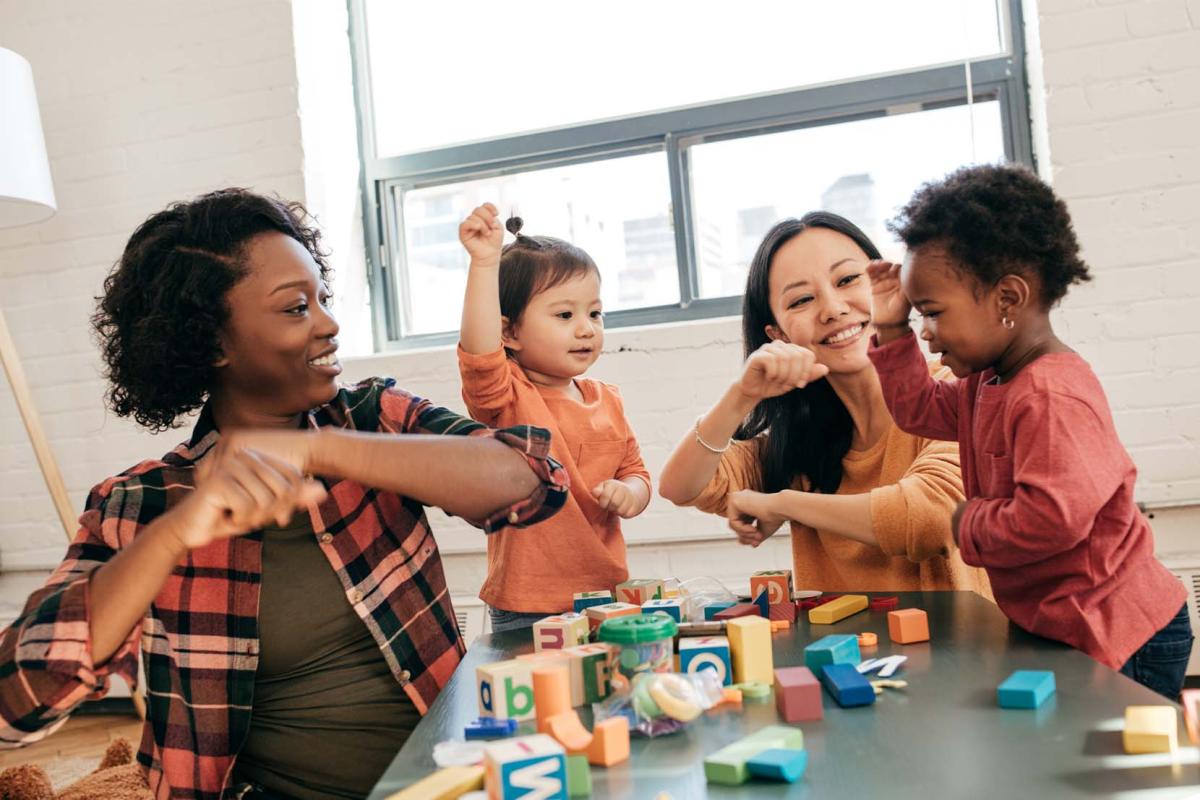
750 649
1151 729
834 610
445 784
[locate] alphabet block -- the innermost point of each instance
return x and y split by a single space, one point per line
587 599
638 591
505 689
528 766
709 652
560 631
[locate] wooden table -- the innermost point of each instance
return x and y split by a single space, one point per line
943 737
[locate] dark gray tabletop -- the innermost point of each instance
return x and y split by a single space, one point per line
942 737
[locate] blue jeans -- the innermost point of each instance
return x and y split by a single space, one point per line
513 620
1161 663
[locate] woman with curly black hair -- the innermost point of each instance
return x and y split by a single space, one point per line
1050 509
803 437
276 568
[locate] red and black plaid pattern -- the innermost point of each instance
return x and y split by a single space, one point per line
200 637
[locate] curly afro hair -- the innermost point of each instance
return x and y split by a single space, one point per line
164 304
997 220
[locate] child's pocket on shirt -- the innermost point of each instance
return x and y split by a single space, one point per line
996 475
599 461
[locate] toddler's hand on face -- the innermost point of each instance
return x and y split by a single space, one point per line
482 235
778 367
890 306
615 496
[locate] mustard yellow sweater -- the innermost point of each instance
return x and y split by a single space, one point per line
914 485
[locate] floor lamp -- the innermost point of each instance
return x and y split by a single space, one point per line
26 196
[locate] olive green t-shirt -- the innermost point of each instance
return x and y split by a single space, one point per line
328 713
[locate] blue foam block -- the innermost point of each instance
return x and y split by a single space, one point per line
846 686
1026 688
488 728
778 765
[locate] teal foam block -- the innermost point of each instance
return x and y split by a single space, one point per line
1026 688
838 648
778 765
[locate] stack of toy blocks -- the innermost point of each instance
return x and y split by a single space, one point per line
597 614
638 591
776 586
586 599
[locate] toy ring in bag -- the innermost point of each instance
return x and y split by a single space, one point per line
675 696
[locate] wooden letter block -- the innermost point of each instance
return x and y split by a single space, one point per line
798 695
908 626
834 649
728 767
587 599
594 665
528 766
597 614
639 590
560 632
777 582
505 689
1151 729
709 652
1025 688
837 610
846 686
750 648
673 608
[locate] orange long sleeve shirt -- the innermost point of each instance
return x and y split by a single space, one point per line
581 547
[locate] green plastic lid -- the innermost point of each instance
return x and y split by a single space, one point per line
638 628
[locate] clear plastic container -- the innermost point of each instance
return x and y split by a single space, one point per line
646 643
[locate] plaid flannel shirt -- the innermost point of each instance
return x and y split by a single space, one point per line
200 636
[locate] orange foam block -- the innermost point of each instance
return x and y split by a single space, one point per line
610 742
908 626
568 731
551 695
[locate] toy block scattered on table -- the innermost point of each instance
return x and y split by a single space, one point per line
445 784
778 625
594 664
639 590
908 626
579 776
568 730
588 599
777 582
551 694
1151 729
778 765
836 610
798 695
709 652
505 689
884 602
738 610
785 612
727 766
597 614
489 728
560 631
1026 688
1191 713
713 609
762 602
564 660
838 648
846 686
750 649
517 767
672 608
610 742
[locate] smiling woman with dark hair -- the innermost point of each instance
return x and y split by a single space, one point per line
803 435
276 568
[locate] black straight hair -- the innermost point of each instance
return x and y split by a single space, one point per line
532 264
808 430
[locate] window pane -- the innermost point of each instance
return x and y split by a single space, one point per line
618 210
447 73
862 170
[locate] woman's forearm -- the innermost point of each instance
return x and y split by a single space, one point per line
692 465
847 515
470 477
122 589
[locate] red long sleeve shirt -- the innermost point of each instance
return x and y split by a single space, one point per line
1050 512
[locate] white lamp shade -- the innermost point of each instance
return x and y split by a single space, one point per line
26 193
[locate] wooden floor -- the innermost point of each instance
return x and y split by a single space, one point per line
84 736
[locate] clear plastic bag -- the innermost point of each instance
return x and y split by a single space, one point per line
697 593
662 702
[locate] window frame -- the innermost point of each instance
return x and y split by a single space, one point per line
1000 77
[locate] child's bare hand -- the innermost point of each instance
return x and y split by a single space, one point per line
752 516
615 496
482 235
890 306
778 367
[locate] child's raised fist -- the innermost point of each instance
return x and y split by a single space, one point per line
482 235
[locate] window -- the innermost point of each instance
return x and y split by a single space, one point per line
666 140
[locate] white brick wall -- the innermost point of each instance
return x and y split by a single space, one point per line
146 102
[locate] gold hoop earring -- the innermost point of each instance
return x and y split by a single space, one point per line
1007 323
